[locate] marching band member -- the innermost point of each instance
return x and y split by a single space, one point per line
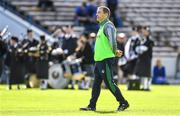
42 62
143 65
14 61
29 46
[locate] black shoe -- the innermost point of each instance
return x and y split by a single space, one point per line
147 90
88 109
123 106
9 88
80 88
18 87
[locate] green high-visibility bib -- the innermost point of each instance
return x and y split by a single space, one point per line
103 48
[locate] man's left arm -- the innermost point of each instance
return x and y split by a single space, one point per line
110 33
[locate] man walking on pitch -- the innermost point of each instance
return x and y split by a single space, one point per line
105 53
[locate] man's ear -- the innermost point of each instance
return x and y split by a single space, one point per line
107 16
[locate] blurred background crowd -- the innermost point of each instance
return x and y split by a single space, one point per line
56 48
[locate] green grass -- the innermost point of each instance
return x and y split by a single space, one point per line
161 101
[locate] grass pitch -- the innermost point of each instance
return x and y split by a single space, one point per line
161 101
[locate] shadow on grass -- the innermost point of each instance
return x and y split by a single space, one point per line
105 112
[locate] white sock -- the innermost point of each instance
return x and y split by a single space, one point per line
149 83
73 83
88 81
146 85
43 84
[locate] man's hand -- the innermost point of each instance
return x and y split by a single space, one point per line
119 53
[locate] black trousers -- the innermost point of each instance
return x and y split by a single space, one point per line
103 71
1 66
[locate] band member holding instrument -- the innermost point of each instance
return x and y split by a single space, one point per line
143 65
14 61
42 62
85 52
69 45
3 50
130 53
29 46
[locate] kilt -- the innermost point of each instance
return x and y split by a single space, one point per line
17 73
42 69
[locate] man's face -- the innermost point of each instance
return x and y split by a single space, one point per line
100 15
12 42
158 63
145 32
121 38
30 35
